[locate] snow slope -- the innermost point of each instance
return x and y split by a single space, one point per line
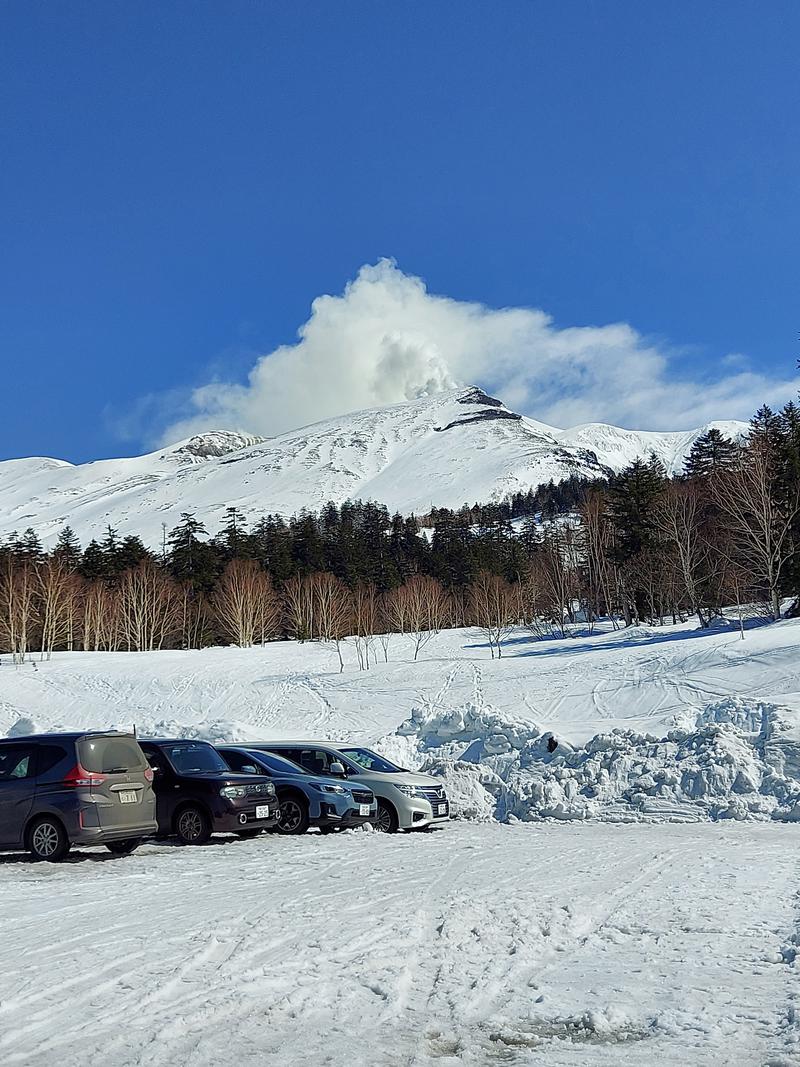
408 456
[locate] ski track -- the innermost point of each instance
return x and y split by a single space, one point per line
472 945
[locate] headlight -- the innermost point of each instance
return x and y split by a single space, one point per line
409 790
232 791
330 788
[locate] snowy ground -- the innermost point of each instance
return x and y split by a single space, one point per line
546 943
643 679
549 944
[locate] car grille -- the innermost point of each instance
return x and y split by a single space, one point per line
435 794
361 796
261 789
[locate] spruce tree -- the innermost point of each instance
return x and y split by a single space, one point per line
712 453
187 555
68 548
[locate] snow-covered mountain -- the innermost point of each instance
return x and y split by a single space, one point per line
456 447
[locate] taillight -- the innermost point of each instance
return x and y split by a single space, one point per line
78 776
148 774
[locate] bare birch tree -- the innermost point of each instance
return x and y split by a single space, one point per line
491 609
759 516
18 614
149 607
245 604
421 604
679 516
58 595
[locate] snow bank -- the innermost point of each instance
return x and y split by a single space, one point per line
217 731
737 759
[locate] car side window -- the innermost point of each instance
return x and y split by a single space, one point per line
234 760
49 757
317 760
17 761
155 759
293 754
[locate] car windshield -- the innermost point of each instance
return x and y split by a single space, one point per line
370 761
194 757
277 763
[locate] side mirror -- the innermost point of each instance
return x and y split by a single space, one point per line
337 769
249 768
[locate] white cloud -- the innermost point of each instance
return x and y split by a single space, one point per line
387 339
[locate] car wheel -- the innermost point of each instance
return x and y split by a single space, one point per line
47 840
294 816
386 819
192 826
124 848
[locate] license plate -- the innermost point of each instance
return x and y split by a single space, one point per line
262 811
442 809
363 809
128 796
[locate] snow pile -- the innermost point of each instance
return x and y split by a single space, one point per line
472 788
217 731
25 726
738 759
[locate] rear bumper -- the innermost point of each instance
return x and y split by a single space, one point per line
97 835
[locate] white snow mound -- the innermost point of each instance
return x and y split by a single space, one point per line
737 759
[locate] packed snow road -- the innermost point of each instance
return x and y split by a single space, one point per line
477 944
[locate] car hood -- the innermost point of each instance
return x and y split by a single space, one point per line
399 778
232 778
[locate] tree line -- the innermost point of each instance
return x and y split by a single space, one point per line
639 546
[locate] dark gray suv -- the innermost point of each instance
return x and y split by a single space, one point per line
59 790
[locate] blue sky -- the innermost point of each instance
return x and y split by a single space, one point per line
181 180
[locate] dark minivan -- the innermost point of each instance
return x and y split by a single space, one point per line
197 794
64 789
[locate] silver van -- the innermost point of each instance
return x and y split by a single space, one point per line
59 790
406 800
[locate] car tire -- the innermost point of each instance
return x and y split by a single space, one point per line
294 815
192 826
47 840
386 819
124 848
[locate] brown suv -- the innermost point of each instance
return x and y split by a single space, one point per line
59 790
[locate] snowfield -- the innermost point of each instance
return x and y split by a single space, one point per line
626 896
487 944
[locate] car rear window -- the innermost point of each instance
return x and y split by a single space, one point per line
107 755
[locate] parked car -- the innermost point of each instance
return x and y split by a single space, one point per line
64 789
198 795
306 799
406 800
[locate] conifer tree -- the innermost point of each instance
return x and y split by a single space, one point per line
68 549
710 454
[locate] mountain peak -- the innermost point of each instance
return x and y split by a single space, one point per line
213 444
463 445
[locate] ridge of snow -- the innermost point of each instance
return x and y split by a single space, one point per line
459 446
